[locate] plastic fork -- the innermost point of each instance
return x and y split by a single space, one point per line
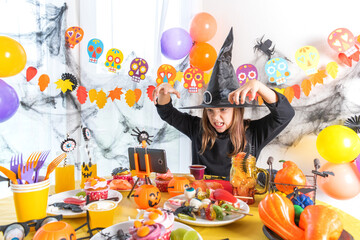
40 163
14 163
54 164
27 171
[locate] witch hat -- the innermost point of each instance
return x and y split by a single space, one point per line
222 81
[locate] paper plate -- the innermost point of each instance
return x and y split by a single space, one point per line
273 236
207 223
68 213
111 231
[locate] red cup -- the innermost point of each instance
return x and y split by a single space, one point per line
197 171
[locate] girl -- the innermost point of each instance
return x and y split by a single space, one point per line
222 132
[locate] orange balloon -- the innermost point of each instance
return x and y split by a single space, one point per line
203 56
344 185
203 27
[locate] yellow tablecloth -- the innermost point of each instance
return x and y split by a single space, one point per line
250 227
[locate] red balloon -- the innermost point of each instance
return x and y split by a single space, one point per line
203 27
344 185
203 56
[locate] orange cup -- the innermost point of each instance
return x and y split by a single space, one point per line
101 213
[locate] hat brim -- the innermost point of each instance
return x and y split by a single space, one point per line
223 104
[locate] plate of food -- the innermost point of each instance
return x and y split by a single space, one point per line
204 213
121 231
71 203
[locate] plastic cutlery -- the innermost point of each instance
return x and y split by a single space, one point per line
15 162
54 164
28 170
40 163
10 174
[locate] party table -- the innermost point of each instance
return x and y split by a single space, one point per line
249 227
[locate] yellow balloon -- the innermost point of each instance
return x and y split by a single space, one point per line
338 144
12 57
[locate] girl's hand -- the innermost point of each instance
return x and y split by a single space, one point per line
161 94
238 96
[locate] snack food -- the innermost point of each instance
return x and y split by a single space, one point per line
162 180
120 184
148 231
96 188
121 173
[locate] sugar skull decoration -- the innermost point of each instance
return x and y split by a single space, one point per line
277 70
193 79
343 42
95 49
73 36
138 69
114 57
166 74
308 59
246 72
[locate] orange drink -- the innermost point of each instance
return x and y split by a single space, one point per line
101 213
64 178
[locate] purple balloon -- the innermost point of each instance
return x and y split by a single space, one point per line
176 43
357 161
9 101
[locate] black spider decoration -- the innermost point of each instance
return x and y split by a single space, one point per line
142 136
71 78
265 47
353 123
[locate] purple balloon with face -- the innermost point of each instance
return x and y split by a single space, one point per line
245 73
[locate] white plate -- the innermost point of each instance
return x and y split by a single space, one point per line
68 213
112 230
207 223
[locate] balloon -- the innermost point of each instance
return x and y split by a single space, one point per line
9 101
12 57
175 43
357 161
203 27
338 144
202 56
344 185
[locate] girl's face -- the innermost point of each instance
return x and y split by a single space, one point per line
220 118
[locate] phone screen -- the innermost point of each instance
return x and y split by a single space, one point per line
157 159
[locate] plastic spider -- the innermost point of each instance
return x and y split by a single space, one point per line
265 47
142 136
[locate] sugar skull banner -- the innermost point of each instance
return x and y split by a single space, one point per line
277 70
343 42
308 59
73 36
193 79
138 69
246 72
114 58
95 49
166 74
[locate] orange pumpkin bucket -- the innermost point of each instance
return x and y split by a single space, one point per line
177 186
147 196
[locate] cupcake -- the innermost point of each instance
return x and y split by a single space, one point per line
162 180
162 216
147 231
122 173
96 188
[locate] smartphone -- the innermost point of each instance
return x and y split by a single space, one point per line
157 158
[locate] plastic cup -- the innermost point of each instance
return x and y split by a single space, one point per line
101 213
197 171
30 200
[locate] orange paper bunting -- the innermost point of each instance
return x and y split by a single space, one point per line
130 97
150 91
101 99
30 73
137 93
43 82
92 95
332 69
115 94
81 94
306 87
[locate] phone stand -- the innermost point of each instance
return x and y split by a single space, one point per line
141 174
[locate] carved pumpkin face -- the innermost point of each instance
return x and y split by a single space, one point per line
56 230
177 186
147 196
87 170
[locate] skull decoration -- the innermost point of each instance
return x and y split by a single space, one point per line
194 79
114 57
166 74
95 49
308 59
138 69
343 42
277 70
73 36
245 73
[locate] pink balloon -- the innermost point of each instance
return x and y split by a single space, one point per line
357 161
344 185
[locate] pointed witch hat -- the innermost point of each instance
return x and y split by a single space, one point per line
222 81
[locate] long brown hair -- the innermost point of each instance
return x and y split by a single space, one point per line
236 132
